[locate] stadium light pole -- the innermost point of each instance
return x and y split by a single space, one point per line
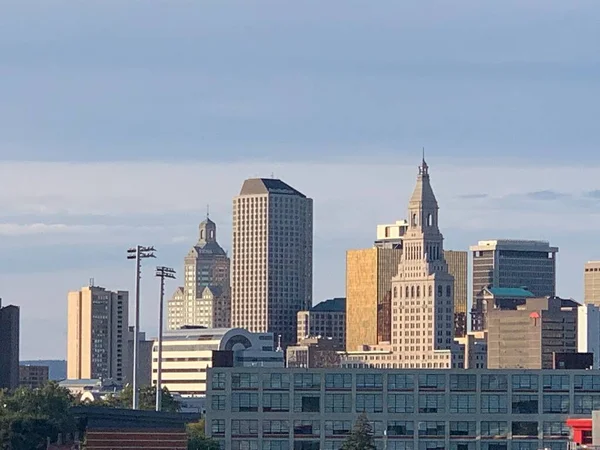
162 273
138 253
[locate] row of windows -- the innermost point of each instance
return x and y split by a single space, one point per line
398 445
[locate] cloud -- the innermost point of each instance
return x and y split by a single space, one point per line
546 195
473 196
27 229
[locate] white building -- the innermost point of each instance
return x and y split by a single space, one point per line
272 257
390 235
588 331
189 352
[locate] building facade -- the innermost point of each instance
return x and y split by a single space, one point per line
458 266
33 377
528 337
205 265
588 331
391 235
409 409
97 333
314 352
272 257
515 263
591 282
144 359
495 298
189 352
325 319
9 346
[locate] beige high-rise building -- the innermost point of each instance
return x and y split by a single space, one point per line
369 275
206 265
458 268
272 257
97 333
591 282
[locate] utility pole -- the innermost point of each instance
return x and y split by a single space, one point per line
138 253
162 273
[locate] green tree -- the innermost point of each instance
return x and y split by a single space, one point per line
124 399
361 436
197 439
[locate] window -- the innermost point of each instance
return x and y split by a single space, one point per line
276 381
395 292
218 381
276 427
586 383
307 427
369 403
494 445
432 403
432 382
338 403
432 429
432 445
448 291
556 383
525 382
462 445
307 403
244 445
337 427
558 404
463 428
524 429
463 403
307 445
400 428
218 402
244 381
494 383
369 381
275 445
307 381
525 404
276 402
244 402
217 427
338 381
244 427
430 291
400 403
461 382
585 404
494 404
400 382
555 429
526 445
399 445
440 291
494 429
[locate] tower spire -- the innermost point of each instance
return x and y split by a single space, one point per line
423 168
207 211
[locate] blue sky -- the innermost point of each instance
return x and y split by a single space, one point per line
183 100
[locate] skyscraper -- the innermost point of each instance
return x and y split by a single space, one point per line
272 257
458 268
9 346
591 283
206 265
97 333
515 263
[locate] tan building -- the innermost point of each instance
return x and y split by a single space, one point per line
528 336
326 319
475 349
369 275
314 352
591 281
206 264
97 333
272 257
33 377
458 266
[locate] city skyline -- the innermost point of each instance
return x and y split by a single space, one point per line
332 100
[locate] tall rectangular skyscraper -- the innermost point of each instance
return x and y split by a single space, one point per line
272 257
458 267
591 282
97 333
9 346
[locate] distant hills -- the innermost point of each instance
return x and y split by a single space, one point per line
57 368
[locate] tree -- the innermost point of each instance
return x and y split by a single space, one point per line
361 436
124 399
197 439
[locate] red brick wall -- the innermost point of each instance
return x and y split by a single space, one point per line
135 439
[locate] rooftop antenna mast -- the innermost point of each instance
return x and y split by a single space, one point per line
207 211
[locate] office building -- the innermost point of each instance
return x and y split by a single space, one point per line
588 331
325 319
495 298
272 257
97 333
314 352
369 275
144 359
458 268
591 282
515 263
475 349
529 336
206 264
391 235
9 346
189 352
409 409
33 377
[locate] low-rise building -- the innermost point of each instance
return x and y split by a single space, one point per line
495 298
326 319
190 351
475 349
33 377
314 352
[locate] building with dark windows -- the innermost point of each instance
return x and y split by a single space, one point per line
326 319
9 346
514 263
33 377
458 266
408 409
495 298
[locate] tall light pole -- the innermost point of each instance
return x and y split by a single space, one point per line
138 253
162 273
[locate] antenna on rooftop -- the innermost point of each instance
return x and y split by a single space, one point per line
91 282
207 211
279 349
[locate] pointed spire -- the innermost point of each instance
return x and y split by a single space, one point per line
423 168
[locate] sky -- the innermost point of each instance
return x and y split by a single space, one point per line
120 122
